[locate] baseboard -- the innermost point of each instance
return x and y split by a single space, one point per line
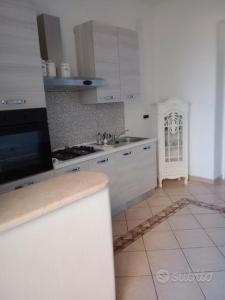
206 180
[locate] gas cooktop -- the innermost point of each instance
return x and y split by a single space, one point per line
73 152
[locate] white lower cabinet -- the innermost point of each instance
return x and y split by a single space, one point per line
84 166
106 164
131 173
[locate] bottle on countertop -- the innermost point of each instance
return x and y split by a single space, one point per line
99 139
64 70
44 68
51 69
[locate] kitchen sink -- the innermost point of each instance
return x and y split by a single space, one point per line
122 141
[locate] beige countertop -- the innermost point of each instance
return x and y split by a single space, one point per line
30 202
106 150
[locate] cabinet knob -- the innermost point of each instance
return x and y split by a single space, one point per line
147 148
127 153
130 97
110 97
13 101
74 170
103 161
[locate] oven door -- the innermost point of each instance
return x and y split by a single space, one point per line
24 150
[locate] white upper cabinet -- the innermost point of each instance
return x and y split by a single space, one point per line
129 64
108 52
97 56
21 82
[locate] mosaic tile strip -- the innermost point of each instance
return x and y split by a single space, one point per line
134 234
214 207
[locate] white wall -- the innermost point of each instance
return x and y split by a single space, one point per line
184 39
178 54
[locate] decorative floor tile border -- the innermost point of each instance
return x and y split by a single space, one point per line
134 234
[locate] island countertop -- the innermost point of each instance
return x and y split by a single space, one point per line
20 206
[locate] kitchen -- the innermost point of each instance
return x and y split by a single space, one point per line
91 114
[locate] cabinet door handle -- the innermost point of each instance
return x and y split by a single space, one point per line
147 148
130 97
13 101
110 97
127 153
103 161
73 170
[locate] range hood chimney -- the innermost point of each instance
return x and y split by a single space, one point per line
51 49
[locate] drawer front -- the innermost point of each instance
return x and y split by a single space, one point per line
147 152
103 164
72 169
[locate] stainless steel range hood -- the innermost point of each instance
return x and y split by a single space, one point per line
51 49
72 84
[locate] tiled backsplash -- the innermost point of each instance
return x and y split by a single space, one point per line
72 123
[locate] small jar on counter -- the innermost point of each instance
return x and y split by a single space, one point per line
64 70
51 69
44 68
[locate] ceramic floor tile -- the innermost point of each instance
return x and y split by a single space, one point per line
217 235
160 240
133 223
210 199
222 249
135 288
205 259
141 204
193 238
171 183
138 213
164 226
131 264
183 211
198 190
181 193
138 245
172 261
211 220
195 210
120 217
220 195
217 188
159 201
160 192
214 289
178 291
156 209
119 227
183 222
175 198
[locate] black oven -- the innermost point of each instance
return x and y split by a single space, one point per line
24 143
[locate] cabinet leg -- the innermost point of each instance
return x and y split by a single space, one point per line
160 182
186 180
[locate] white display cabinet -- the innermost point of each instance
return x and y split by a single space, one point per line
173 139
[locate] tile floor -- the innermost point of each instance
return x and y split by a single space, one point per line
181 258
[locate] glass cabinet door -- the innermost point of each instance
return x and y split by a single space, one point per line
173 132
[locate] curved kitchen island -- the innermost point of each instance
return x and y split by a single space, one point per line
56 240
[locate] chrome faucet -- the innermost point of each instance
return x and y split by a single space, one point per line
108 138
121 133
